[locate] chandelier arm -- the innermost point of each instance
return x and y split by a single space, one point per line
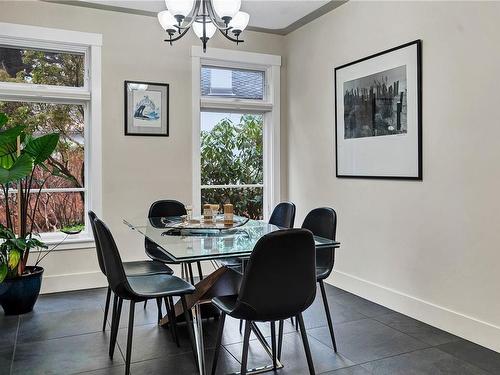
231 38
177 37
213 17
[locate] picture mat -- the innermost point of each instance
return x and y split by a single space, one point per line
389 155
164 111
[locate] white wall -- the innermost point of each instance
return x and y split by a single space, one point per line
136 170
428 249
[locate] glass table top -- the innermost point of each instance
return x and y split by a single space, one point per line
183 245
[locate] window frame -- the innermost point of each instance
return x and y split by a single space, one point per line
32 37
269 107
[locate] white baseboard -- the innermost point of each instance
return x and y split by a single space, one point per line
468 327
73 281
95 279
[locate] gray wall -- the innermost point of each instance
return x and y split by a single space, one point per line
136 170
429 249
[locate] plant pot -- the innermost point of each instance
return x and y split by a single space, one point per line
18 295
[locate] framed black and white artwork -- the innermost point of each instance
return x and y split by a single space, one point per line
146 108
378 127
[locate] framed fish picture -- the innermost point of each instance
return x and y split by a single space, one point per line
378 112
146 108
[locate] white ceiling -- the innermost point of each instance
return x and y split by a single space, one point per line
271 14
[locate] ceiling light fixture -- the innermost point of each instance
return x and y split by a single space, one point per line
206 17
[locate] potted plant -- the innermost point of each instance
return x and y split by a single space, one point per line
22 156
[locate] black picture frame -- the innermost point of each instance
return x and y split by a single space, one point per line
129 128
419 176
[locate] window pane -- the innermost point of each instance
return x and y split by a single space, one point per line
54 211
231 148
226 82
66 163
247 201
41 67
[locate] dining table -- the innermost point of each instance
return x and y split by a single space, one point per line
185 242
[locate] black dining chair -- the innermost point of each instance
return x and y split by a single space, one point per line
279 282
145 267
322 222
137 289
165 208
283 215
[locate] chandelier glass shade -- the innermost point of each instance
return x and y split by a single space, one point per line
205 17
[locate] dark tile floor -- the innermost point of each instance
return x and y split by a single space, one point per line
63 336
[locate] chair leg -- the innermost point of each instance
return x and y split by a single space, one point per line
191 277
246 343
273 344
129 337
189 327
160 314
306 344
328 315
172 320
241 325
145 303
200 271
114 327
280 338
218 345
106 309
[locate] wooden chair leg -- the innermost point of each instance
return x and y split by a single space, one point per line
114 326
129 337
106 309
246 343
328 315
273 344
280 338
218 345
306 344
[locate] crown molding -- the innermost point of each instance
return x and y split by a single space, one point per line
284 31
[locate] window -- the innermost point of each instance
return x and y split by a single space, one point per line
238 83
50 82
236 130
232 161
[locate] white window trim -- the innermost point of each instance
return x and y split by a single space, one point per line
70 41
270 106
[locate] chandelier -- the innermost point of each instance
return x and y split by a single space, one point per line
205 17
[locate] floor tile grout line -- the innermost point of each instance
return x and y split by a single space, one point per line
15 346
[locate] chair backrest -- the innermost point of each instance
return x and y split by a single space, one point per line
167 207
283 215
112 261
280 278
92 218
162 208
322 222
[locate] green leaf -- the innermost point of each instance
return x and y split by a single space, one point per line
6 233
8 145
21 168
42 147
3 271
14 258
3 119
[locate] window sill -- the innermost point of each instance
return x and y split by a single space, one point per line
83 242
